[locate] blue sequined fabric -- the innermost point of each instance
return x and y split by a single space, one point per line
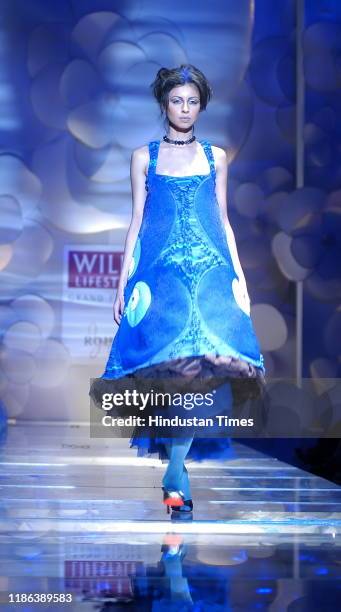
182 311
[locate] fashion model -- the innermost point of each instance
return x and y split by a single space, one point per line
182 304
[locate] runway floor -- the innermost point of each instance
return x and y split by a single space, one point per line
84 517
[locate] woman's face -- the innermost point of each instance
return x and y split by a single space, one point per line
183 105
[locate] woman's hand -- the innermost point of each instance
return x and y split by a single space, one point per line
119 305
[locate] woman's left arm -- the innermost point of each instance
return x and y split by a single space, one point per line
221 193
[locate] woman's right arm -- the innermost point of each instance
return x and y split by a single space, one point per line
138 165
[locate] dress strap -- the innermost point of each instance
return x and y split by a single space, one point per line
153 147
153 154
208 151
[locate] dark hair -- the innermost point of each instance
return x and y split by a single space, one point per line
166 79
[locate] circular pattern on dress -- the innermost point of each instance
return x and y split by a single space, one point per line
163 321
139 303
135 258
229 318
241 296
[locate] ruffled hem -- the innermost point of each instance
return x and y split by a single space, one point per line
199 374
207 371
202 365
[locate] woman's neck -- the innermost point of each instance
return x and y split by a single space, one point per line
175 133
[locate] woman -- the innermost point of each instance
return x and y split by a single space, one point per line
182 304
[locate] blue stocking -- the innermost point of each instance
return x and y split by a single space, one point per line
176 475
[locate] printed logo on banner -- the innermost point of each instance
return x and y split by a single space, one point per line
91 275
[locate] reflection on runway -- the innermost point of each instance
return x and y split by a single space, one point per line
85 517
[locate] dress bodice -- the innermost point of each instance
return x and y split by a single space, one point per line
190 180
181 218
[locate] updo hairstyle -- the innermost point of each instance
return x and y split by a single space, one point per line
166 79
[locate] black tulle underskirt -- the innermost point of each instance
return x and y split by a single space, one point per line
199 374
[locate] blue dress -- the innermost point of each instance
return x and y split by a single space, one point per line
184 314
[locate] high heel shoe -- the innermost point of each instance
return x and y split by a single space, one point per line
183 513
172 499
187 507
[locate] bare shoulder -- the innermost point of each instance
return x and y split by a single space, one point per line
220 157
140 158
219 154
141 151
